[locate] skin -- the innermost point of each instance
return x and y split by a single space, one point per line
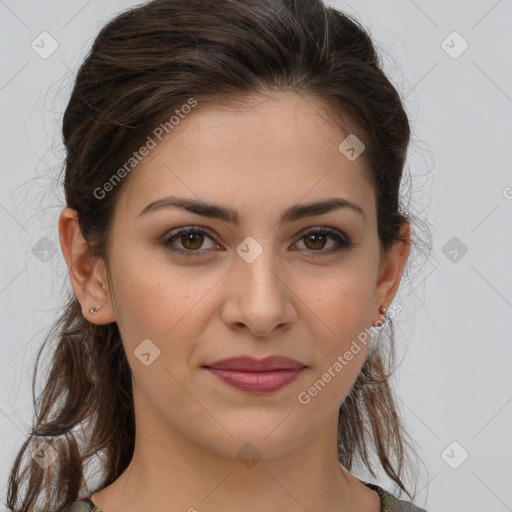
273 153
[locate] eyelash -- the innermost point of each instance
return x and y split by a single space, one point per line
174 235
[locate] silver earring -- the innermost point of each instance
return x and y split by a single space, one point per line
93 310
383 310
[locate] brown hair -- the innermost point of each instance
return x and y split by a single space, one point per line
144 64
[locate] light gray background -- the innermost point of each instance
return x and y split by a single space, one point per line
455 332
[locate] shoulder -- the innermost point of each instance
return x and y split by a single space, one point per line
389 503
392 504
83 505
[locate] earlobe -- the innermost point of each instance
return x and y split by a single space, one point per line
87 274
392 269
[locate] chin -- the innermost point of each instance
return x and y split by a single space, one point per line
256 442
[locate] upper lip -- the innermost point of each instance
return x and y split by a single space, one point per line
251 364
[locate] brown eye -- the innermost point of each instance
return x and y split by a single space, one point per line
318 241
192 241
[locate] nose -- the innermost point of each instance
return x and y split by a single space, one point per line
258 296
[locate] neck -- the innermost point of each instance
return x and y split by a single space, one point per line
171 471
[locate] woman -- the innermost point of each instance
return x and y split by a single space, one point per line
234 242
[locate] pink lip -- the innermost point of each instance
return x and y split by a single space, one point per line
257 376
251 364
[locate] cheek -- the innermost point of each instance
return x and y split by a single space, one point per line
340 310
159 301
341 299
163 311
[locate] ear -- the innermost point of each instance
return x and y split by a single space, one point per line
391 269
88 275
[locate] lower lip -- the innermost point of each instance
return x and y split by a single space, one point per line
257 382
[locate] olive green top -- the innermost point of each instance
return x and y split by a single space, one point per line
388 503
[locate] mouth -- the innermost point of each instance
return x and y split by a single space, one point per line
257 376
256 382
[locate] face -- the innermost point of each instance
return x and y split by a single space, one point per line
188 290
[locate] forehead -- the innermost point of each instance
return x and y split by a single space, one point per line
258 153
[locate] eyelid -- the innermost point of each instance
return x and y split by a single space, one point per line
175 233
343 241
335 234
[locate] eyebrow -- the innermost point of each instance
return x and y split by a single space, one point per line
291 214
